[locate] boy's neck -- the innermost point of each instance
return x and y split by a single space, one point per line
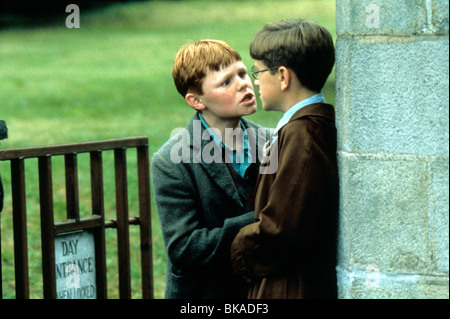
222 125
294 97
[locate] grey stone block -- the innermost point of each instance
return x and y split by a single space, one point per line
440 13
383 215
393 96
439 214
359 284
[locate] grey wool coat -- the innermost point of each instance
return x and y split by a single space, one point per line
200 213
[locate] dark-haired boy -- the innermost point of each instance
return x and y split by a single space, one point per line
290 252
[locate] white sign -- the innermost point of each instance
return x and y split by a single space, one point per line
75 266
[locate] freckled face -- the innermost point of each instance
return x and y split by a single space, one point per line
228 93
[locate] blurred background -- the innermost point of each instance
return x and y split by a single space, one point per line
111 78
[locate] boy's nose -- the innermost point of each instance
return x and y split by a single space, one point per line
244 83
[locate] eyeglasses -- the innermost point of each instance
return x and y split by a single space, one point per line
255 72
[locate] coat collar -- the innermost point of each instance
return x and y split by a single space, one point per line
316 109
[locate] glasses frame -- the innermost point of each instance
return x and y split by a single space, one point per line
255 74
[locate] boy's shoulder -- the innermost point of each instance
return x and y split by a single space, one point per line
323 110
313 117
162 155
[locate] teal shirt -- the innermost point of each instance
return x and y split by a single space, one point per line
240 161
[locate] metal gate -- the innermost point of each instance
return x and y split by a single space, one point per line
94 224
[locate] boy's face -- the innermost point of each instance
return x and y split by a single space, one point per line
269 87
227 94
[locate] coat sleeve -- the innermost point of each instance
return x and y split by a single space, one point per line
288 222
189 243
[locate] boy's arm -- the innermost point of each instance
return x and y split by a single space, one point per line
188 242
289 222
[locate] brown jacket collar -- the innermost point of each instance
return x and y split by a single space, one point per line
316 109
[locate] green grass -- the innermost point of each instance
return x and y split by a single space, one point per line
111 79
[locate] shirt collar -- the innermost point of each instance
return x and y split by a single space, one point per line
318 98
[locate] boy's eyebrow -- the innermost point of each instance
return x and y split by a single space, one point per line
230 73
224 76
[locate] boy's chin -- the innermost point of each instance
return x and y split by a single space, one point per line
267 107
251 110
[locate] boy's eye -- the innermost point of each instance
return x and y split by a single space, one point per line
226 82
242 75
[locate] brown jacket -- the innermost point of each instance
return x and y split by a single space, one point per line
290 251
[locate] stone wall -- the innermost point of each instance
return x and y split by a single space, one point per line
392 105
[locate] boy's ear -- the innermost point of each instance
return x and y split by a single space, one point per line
194 101
285 78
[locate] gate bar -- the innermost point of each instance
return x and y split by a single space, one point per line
63 149
47 222
98 209
145 222
123 237
20 228
72 197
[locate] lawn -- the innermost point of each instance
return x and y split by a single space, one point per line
110 79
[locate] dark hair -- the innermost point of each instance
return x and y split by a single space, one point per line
301 45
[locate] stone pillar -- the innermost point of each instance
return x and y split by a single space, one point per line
392 105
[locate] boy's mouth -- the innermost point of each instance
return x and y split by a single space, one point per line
248 98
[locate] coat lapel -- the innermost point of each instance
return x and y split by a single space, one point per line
218 172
